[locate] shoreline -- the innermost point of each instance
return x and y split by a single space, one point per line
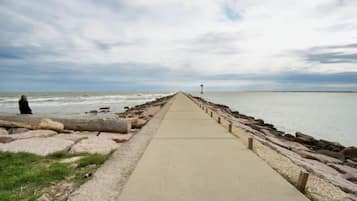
22 133
329 161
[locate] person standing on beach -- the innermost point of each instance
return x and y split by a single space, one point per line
24 105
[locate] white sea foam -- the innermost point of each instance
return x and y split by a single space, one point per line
76 103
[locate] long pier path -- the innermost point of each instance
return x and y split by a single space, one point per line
192 158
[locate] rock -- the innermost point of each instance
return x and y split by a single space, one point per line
3 131
39 146
137 123
331 146
151 111
104 109
72 137
350 152
295 146
95 145
319 157
18 130
116 137
33 134
259 122
271 126
71 160
337 155
303 138
320 168
6 139
351 177
351 163
44 197
288 136
50 125
344 169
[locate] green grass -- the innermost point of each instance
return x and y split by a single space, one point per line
94 159
23 175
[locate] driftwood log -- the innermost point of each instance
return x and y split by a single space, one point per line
78 124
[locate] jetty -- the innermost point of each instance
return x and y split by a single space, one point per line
192 157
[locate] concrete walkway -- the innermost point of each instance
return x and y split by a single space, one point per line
192 158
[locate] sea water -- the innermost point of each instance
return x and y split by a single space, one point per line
75 103
323 115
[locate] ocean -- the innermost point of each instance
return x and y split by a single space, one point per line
329 116
323 115
75 103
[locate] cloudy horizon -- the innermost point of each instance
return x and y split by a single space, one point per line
123 45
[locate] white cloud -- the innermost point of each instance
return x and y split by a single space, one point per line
197 36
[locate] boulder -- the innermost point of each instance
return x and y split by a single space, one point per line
33 134
344 169
303 138
18 130
73 137
137 122
331 146
350 152
5 139
3 131
39 146
319 157
337 155
94 145
116 137
288 136
50 125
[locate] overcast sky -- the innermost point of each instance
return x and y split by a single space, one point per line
57 45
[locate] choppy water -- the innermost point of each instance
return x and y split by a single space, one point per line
330 116
75 103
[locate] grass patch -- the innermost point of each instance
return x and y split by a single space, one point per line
93 159
63 155
24 175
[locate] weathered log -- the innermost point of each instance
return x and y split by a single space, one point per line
78 124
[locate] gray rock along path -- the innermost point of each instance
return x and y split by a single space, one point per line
192 158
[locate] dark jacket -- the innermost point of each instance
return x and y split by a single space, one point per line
24 107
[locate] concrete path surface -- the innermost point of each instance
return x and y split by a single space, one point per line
192 158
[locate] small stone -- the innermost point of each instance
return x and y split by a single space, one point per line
88 175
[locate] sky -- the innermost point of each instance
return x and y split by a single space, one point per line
168 45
